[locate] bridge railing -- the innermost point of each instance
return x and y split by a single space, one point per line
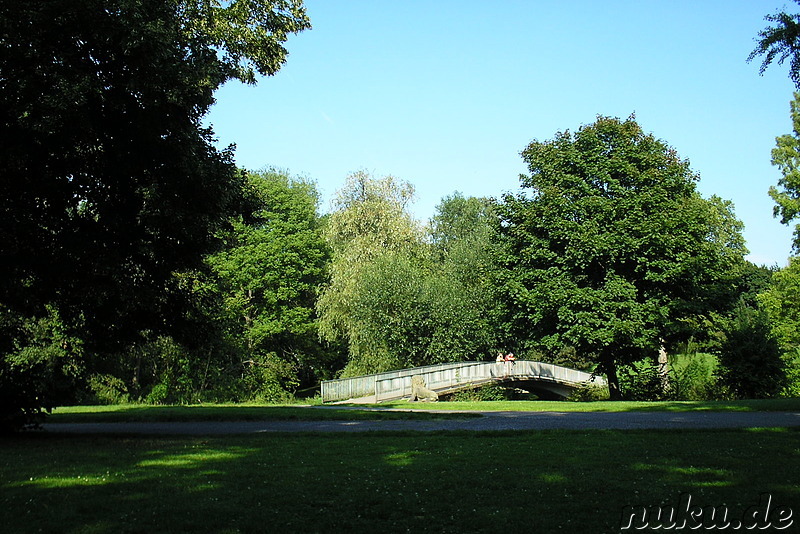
364 386
397 384
400 386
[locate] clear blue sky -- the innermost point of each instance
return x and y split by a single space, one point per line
446 93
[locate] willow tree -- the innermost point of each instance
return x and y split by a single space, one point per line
403 296
376 273
608 246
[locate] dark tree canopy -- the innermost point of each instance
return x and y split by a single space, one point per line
609 245
110 183
781 41
750 363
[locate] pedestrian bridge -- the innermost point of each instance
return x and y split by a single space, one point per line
544 379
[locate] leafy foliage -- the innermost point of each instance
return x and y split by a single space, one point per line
268 276
256 335
111 184
397 300
693 376
786 156
376 273
465 304
750 360
485 393
781 41
39 368
781 302
610 246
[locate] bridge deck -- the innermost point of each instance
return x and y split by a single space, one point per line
449 377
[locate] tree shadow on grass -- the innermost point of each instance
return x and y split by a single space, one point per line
440 482
211 413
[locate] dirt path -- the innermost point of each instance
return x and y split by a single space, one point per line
490 421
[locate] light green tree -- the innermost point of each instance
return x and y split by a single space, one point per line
268 275
782 304
403 297
466 308
378 251
786 156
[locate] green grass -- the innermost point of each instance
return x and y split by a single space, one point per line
224 412
760 405
245 412
545 481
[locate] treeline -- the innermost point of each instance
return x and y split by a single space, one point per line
139 264
605 258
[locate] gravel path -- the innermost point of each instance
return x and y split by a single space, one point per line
489 421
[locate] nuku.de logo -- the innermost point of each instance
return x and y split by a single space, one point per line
687 515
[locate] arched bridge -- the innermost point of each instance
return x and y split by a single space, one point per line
544 379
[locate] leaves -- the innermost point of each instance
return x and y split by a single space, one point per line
786 156
609 243
113 189
270 271
782 42
395 298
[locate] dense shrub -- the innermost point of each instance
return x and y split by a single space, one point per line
750 357
589 393
692 376
641 381
487 392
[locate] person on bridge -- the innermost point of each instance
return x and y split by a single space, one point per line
500 357
509 363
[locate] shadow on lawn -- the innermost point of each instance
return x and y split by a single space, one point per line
143 413
456 482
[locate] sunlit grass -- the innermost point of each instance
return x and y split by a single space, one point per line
546 481
766 405
224 412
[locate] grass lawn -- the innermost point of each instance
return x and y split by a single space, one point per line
760 405
225 412
245 412
547 481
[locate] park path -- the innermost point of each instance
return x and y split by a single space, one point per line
490 421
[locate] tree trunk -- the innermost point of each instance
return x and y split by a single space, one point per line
613 381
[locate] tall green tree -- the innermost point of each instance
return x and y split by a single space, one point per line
786 156
268 274
110 182
781 41
400 296
781 302
378 256
465 303
609 245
